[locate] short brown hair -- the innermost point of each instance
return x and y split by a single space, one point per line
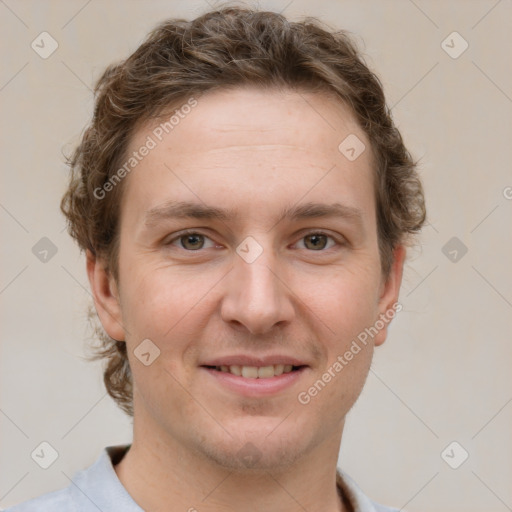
228 47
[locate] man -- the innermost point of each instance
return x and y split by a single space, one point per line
244 201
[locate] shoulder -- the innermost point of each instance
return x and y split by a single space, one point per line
356 498
51 501
91 489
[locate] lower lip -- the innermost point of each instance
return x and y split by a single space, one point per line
256 387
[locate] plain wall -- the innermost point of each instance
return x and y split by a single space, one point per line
443 375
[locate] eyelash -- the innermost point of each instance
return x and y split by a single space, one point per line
186 232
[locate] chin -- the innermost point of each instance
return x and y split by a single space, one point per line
260 448
252 458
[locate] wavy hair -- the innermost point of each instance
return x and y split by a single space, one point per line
225 48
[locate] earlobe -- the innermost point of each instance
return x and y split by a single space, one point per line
106 297
390 290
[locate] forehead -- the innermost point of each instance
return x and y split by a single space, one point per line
232 117
252 147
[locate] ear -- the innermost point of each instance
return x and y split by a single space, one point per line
106 297
390 289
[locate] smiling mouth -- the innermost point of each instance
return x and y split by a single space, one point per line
256 372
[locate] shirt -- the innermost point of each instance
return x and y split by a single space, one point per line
99 488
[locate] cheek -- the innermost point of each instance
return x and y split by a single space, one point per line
166 307
153 306
345 303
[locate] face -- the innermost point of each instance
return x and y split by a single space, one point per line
248 248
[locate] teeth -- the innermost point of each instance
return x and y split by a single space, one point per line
250 372
265 372
255 372
278 369
235 370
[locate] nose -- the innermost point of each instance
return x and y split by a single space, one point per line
257 296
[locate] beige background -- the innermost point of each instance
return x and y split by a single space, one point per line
444 373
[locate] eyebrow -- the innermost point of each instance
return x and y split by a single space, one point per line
192 210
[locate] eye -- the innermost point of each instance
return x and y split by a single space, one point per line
190 241
318 241
193 241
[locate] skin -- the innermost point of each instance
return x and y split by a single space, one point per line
255 152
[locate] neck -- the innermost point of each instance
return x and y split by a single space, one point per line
158 471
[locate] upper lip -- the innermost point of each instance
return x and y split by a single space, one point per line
248 360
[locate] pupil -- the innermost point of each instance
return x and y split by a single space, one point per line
193 240
317 241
